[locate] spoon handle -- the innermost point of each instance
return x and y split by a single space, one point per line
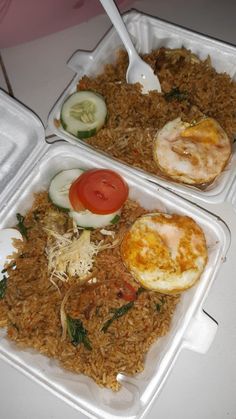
118 23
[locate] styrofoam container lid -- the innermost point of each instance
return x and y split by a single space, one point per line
150 33
21 142
191 327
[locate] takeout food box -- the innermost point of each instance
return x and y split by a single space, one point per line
231 197
27 166
150 33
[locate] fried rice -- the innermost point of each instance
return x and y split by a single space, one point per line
191 89
31 307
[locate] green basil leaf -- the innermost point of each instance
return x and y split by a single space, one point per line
3 287
21 226
117 313
77 332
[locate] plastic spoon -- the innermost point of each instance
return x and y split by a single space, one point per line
138 71
7 248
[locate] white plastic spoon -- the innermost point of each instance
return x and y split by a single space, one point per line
7 248
138 71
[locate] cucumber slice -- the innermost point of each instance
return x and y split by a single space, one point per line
88 219
83 113
59 188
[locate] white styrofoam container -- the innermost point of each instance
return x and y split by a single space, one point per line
149 33
191 327
231 198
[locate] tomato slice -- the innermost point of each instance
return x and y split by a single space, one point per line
101 191
128 293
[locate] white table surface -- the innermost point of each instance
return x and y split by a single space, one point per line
199 386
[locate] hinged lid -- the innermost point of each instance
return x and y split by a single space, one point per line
21 144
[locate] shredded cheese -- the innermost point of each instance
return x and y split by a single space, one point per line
71 257
107 232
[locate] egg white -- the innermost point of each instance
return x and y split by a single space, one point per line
192 154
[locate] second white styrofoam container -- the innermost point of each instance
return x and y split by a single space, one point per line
190 328
231 197
150 33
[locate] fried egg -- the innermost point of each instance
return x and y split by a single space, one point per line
165 253
194 154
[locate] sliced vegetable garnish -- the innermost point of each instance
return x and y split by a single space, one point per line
60 185
59 190
87 219
101 191
83 113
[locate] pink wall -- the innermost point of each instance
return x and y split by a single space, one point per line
24 20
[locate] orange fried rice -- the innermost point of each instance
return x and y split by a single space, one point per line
191 89
31 307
